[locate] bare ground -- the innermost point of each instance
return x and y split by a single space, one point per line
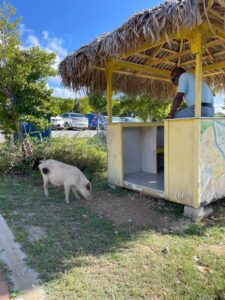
137 209
141 210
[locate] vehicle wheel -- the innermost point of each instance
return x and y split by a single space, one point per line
67 126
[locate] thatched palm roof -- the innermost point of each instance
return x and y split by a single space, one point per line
149 38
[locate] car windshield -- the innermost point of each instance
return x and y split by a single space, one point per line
116 119
77 116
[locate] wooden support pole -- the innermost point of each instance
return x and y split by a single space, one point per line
196 48
109 73
198 84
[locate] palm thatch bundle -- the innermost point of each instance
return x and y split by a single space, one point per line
157 39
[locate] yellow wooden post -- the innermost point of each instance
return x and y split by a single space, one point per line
196 48
198 84
109 72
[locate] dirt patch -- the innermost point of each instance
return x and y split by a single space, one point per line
141 210
136 209
35 233
218 250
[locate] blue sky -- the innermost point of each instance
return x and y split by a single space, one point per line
64 26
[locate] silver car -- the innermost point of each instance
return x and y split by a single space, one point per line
129 120
75 120
57 122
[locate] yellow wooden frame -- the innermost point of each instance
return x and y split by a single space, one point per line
197 38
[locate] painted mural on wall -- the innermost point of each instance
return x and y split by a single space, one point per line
212 160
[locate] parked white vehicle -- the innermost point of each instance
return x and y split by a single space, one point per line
57 122
116 119
75 120
129 120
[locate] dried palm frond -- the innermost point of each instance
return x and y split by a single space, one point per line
84 68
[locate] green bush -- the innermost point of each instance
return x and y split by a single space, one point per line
87 156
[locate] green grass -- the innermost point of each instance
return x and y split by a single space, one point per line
83 256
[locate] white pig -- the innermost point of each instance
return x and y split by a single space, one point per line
58 174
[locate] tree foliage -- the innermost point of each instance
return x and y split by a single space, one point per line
84 106
141 106
24 94
144 107
61 105
98 102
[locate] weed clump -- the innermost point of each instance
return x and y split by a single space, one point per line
87 156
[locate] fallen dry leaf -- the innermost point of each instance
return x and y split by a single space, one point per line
204 270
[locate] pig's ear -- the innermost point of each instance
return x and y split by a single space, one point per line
88 186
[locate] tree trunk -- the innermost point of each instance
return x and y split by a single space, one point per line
23 141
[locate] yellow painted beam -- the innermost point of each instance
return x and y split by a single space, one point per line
135 74
155 52
151 57
147 46
169 50
141 55
142 48
219 32
181 49
210 55
213 67
213 73
169 57
128 65
213 43
215 14
109 73
204 57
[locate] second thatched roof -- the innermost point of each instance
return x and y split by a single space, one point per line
148 39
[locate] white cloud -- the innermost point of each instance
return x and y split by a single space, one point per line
54 44
32 41
219 98
50 44
23 30
45 34
65 93
219 108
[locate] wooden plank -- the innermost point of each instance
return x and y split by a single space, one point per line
135 74
143 68
196 162
181 49
109 72
142 48
179 170
115 154
170 57
204 57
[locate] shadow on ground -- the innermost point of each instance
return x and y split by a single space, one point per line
56 236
